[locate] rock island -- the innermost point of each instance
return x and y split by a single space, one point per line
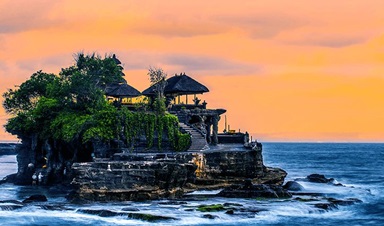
89 129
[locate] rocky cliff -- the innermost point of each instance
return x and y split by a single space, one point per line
154 176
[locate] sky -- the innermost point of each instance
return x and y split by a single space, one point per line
308 71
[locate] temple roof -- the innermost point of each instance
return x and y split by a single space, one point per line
179 84
121 90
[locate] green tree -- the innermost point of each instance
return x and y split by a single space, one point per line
63 106
27 95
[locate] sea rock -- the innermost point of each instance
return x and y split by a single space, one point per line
4 180
35 198
130 209
255 191
319 178
326 206
252 210
230 212
10 207
211 208
345 202
9 179
149 217
300 199
210 216
101 213
293 186
334 203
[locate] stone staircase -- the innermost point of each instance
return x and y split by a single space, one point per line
181 116
198 141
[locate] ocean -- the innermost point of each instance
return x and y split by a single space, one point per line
359 167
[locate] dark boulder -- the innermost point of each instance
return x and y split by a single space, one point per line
230 212
293 186
9 179
252 210
130 209
35 198
346 202
326 206
101 213
10 207
230 204
210 216
319 178
300 199
149 217
255 191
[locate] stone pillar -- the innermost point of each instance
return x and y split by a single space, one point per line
208 128
215 122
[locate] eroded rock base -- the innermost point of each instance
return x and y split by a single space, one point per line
153 176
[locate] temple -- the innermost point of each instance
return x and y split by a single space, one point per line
182 95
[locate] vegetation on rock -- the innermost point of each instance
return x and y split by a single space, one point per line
211 208
62 116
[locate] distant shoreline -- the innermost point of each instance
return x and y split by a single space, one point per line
8 148
9 142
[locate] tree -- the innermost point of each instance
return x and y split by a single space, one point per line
158 77
88 78
61 107
28 93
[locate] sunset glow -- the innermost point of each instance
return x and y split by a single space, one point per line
284 70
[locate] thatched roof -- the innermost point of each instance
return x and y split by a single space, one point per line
121 90
179 84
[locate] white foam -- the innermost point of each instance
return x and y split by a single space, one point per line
205 192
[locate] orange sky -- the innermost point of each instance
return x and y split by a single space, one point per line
285 70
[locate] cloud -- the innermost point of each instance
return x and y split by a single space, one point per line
263 26
209 64
17 16
177 27
3 66
49 64
331 40
138 60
